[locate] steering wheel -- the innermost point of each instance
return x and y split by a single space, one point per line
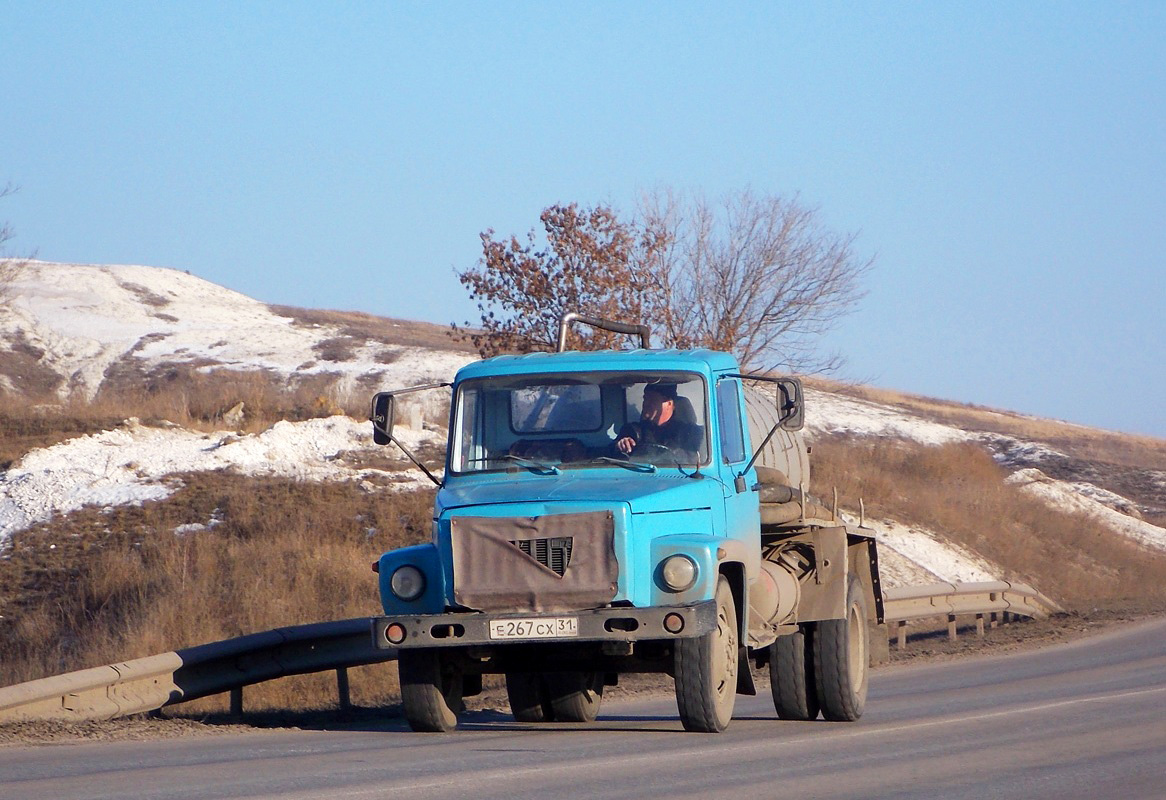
648 448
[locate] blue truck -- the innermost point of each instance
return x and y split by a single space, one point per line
626 511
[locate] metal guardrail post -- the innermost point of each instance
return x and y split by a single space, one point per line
342 688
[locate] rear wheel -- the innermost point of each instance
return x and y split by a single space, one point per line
431 689
575 696
706 670
841 657
529 699
791 675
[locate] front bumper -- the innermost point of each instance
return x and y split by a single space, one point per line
595 625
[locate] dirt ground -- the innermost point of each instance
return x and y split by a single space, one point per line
927 642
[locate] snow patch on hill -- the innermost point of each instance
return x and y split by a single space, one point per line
86 318
1088 500
911 555
135 464
834 413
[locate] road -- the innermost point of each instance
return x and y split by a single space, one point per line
1082 720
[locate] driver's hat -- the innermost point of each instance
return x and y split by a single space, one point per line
665 390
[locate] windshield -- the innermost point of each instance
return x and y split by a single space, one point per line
546 423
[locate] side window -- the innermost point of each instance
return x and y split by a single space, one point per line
729 419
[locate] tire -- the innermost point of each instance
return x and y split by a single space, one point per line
842 657
575 696
529 699
791 675
706 670
431 690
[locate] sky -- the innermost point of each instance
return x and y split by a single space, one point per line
1004 164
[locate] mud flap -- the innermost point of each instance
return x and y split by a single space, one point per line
864 562
745 684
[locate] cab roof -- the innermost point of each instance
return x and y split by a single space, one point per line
699 360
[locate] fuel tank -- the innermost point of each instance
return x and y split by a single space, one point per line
773 597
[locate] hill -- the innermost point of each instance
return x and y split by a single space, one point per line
72 329
183 463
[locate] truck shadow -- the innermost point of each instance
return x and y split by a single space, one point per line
496 722
390 720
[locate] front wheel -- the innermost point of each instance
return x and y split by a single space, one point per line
706 670
431 690
841 658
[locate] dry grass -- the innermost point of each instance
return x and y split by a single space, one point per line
22 366
144 295
959 491
187 395
361 326
98 587
181 394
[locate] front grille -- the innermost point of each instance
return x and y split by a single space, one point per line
554 554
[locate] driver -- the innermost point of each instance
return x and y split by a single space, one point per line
659 425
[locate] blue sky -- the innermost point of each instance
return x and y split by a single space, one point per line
1005 163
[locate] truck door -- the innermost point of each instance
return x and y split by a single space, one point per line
742 513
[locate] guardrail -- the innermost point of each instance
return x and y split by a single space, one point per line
991 601
146 684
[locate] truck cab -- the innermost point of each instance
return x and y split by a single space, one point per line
601 513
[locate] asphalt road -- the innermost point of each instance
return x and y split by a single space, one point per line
1083 720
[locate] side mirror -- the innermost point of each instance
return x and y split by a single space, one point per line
382 417
791 406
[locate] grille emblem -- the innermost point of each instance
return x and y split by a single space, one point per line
554 554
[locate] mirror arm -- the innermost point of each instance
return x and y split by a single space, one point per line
381 429
408 453
760 447
786 413
784 416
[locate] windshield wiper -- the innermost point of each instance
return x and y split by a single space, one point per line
634 466
546 469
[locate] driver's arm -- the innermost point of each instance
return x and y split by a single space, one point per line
625 442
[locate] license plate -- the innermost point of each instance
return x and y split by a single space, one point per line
535 628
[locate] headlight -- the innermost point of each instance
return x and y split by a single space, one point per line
407 583
678 572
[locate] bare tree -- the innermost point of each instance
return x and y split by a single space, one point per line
10 266
758 276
